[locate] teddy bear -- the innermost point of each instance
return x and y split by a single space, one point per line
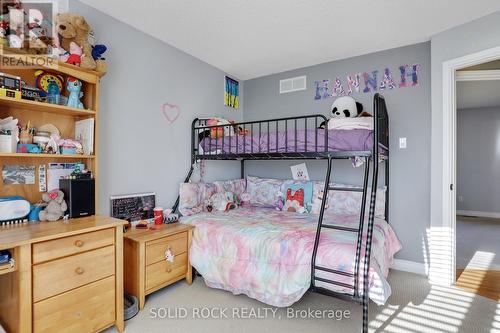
74 28
56 206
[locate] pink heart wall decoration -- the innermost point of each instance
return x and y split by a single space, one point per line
171 112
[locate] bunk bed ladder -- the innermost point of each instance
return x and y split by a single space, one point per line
356 295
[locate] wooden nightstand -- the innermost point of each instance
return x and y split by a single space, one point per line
146 268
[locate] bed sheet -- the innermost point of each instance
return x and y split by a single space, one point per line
266 254
286 141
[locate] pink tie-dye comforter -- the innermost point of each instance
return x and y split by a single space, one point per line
266 254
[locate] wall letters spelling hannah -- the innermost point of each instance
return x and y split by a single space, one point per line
367 82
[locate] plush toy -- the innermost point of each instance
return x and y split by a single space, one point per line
98 51
74 88
74 28
218 132
294 201
75 54
56 206
222 201
346 107
281 201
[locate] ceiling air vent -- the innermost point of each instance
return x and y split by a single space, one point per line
294 84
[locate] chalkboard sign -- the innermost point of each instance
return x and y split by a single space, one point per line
134 206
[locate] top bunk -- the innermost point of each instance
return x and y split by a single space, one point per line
291 138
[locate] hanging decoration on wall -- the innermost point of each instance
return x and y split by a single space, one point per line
231 92
368 82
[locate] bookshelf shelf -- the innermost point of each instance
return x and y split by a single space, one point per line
49 156
43 107
7 270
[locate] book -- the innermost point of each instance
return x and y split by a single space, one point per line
84 133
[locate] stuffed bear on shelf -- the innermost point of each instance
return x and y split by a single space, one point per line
56 206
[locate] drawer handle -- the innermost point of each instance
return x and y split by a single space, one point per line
79 243
79 271
169 270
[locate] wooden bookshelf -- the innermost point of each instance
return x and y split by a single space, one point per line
39 113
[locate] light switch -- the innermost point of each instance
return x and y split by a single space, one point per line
402 143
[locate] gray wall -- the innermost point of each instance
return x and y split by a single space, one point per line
409 111
469 38
139 150
478 159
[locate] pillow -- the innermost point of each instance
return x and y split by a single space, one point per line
237 186
298 196
264 192
193 196
347 202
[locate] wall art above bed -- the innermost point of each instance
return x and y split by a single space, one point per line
366 82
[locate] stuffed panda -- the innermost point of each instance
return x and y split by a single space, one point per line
345 107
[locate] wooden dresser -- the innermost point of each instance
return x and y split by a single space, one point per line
146 268
68 276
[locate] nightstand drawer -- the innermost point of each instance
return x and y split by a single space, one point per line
86 309
55 277
67 246
164 271
155 250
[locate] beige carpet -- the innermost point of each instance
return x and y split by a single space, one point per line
414 306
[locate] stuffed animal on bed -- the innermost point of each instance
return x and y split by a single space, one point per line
294 201
219 132
222 202
346 107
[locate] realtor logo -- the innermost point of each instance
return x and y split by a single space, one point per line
28 37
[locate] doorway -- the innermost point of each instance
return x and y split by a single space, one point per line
477 258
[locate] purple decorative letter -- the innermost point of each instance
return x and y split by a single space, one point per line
387 82
370 81
322 89
409 71
338 90
353 83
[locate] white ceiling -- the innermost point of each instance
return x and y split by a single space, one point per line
478 94
252 38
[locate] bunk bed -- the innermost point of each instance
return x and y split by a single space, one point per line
295 138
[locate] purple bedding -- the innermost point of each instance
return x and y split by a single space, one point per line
338 140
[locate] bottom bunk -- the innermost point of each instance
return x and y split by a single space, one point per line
266 254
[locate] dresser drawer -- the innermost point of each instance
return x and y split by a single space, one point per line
155 250
164 271
67 246
86 309
55 277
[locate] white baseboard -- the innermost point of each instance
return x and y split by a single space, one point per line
474 213
409 266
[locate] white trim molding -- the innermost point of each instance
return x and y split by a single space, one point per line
473 213
442 258
409 266
482 75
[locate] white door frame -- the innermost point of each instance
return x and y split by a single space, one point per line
450 136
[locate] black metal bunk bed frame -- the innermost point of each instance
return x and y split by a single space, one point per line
381 142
